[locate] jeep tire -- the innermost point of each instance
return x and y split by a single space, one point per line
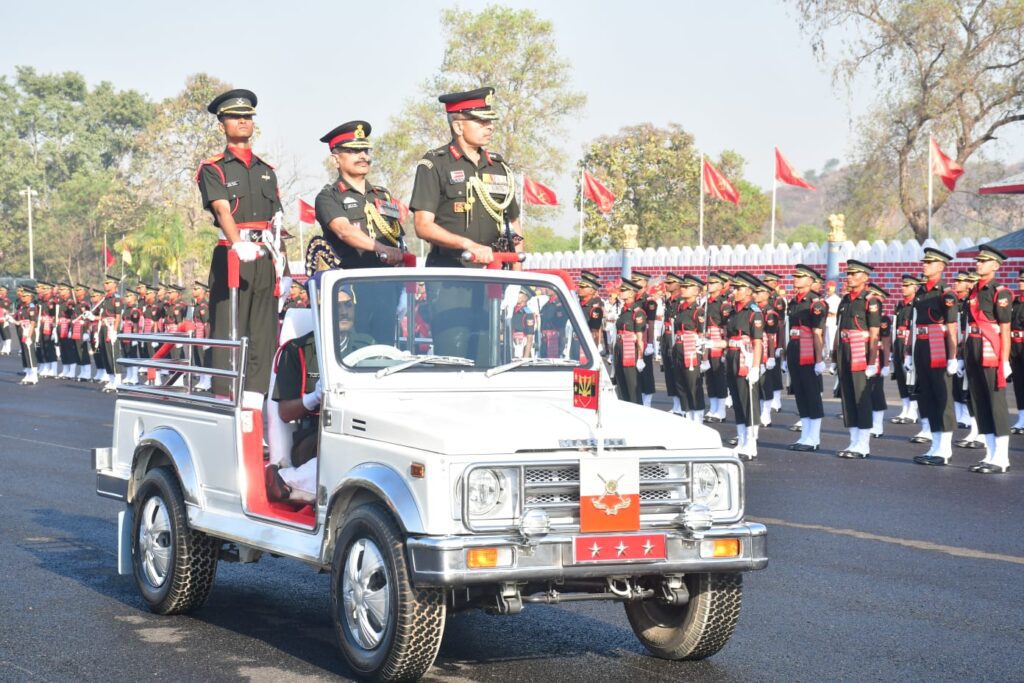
387 629
174 567
696 630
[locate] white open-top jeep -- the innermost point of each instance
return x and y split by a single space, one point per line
455 471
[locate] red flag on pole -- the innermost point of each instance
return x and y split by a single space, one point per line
535 193
718 186
307 214
108 258
784 173
944 167
597 193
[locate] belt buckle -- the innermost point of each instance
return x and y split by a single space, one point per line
256 236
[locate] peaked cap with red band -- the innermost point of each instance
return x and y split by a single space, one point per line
350 135
475 103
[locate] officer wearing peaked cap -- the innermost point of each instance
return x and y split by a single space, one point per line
744 333
362 224
804 357
26 321
650 306
987 359
777 303
630 328
902 321
241 193
859 320
587 288
933 357
687 354
962 411
671 302
717 309
876 385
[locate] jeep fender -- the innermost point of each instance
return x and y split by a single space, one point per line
377 482
166 444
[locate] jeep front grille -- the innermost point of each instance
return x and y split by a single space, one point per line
555 488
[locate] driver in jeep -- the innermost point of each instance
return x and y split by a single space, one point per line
298 391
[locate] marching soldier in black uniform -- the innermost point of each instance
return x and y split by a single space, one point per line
629 343
671 304
744 332
240 191
804 363
26 320
361 223
876 384
81 332
962 285
46 349
717 310
650 306
109 321
688 356
463 199
859 320
65 312
934 356
903 319
1017 353
587 288
131 323
776 302
987 360
773 324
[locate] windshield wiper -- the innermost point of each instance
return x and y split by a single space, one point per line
416 360
523 362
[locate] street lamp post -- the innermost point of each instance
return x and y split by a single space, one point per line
28 193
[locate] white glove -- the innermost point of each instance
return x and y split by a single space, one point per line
778 352
832 369
53 336
908 364
311 401
770 363
886 371
1007 370
951 366
649 351
247 251
870 371
85 337
111 335
960 368
89 316
754 374
640 365
705 365
785 367
819 368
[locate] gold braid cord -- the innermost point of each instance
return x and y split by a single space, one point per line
376 223
320 255
496 210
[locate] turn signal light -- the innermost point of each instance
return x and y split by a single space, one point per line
482 558
720 547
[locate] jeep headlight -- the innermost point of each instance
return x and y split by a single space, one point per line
484 490
705 481
714 485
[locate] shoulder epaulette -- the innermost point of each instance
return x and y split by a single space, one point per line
439 152
212 161
262 161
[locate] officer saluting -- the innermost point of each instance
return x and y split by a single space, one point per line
807 314
240 191
859 320
464 197
361 224
934 356
987 360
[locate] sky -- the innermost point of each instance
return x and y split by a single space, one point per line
738 74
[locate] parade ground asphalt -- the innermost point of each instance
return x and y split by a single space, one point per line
880 570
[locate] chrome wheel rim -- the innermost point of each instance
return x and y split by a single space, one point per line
155 542
366 594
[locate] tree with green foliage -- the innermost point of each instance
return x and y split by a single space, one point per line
948 68
655 176
542 238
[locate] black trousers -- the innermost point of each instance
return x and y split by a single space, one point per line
68 352
47 350
84 351
668 360
877 386
627 380
28 354
934 391
742 393
647 376
990 409
806 385
853 391
718 385
1017 378
687 382
257 319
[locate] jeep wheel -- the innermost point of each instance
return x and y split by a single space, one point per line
696 630
387 629
174 567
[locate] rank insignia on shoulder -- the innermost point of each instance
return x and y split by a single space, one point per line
426 163
1004 302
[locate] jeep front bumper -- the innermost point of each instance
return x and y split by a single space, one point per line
442 561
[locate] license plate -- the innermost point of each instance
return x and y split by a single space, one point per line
618 548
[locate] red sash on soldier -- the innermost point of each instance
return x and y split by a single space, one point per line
550 338
858 341
742 344
147 326
171 328
46 322
687 339
126 326
991 343
627 341
715 335
76 330
936 336
200 329
62 328
805 342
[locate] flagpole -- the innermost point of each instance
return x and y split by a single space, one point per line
103 259
930 187
775 185
701 200
582 171
522 204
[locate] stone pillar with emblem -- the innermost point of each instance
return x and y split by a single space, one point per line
836 237
629 244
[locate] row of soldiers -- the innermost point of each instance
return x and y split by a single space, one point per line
729 341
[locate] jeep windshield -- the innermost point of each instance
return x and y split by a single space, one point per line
447 323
